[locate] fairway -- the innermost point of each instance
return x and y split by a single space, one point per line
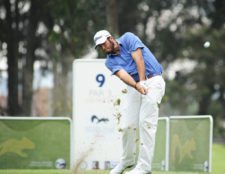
217 164
88 172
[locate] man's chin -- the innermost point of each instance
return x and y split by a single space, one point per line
109 52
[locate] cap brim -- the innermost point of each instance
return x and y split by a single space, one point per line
100 41
96 46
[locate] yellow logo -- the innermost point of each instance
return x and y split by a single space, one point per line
16 146
179 151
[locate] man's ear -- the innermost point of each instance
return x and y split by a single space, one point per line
110 38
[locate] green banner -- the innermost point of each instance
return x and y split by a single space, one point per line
190 144
160 154
34 143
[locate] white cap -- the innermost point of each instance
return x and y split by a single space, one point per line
100 37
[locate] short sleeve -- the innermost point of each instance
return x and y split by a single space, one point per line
112 66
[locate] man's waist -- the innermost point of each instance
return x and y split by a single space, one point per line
153 75
136 76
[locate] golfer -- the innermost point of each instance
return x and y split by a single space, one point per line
131 61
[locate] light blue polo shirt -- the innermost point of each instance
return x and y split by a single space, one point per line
128 44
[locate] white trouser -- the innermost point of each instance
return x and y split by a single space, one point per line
140 112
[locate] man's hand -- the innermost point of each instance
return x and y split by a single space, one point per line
141 87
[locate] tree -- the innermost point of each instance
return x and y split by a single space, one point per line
112 16
173 30
75 19
77 22
11 38
31 44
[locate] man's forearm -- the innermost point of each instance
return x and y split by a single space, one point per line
126 78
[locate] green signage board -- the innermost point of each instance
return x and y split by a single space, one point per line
35 142
160 160
190 143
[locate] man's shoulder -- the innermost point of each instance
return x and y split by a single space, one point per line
126 37
128 34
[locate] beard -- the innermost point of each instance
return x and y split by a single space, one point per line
113 48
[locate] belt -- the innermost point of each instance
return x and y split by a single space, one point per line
136 78
153 75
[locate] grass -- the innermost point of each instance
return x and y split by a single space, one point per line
218 166
67 172
218 159
88 172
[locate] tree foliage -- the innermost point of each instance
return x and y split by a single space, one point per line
175 31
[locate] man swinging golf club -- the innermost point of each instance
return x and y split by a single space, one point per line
131 61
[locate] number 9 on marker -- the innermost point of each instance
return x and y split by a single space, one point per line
100 78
